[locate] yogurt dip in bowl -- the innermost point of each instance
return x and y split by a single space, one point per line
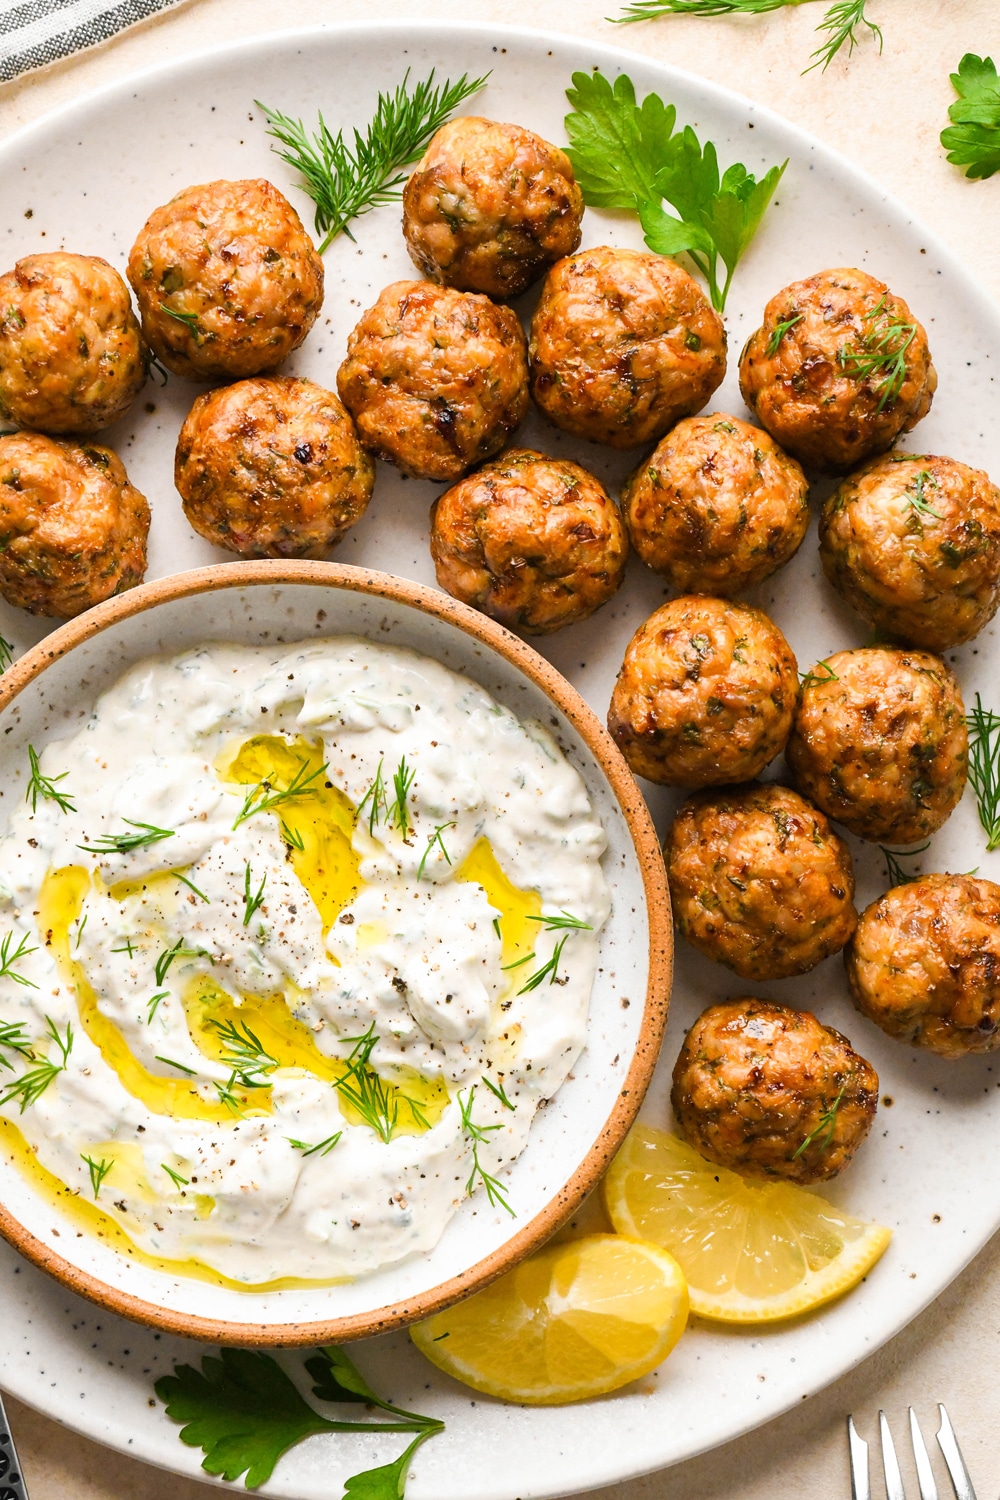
337 952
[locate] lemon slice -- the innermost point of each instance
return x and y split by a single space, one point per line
752 1252
572 1321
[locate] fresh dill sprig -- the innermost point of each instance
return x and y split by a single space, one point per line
399 814
126 947
171 1063
826 1127
168 956
984 768
916 499
175 1177
191 886
496 929
518 963
478 1135
882 353
361 1086
549 970
6 653
895 873
81 924
32 1084
435 838
344 180
153 1005
778 333
14 1037
376 796
124 843
323 1147
499 1091
293 838
252 902
98 1171
228 1098
247 1056
263 797
842 20
45 786
9 959
821 672
564 920
190 321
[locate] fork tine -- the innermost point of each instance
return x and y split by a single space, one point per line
893 1479
860 1485
925 1474
955 1463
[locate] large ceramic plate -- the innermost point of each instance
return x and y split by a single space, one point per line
90 175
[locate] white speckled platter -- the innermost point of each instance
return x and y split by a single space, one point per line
90 175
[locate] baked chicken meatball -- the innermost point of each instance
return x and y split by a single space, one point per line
623 344
71 355
534 542
436 380
705 694
759 881
272 467
490 207
72 528
880 742
718 507
770 1092
924 964
913 544
838 370
227 280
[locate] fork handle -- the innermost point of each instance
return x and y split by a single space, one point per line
11 1484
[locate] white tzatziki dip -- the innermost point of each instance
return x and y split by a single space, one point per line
293 943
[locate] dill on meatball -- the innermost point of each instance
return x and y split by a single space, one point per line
490 207
718 507
705 694
770 1092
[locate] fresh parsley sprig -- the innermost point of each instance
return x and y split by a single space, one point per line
628 155
842 21
972 140
984 768
346 180
896 873
45 786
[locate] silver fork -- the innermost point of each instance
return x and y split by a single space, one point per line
950 1451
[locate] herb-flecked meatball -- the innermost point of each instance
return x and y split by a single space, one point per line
838 370
227 280
717 507
705 694
436 380
759 881
272 467
912 542
72 528
623 344
770 1092
71 355
880 743
924 964
490 207
534 542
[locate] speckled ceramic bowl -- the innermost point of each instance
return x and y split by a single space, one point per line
54 686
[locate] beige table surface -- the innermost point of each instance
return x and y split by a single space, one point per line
885 113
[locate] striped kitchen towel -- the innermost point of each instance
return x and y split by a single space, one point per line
36 32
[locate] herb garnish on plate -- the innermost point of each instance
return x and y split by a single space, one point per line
842 21
972 140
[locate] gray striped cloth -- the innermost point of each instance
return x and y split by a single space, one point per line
36 32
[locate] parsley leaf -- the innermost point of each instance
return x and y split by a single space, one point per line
388 1482
627 155
972 140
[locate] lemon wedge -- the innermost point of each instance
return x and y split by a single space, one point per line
752 1252
575 1320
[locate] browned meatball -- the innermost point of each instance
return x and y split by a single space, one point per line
71 355
880 742
770 1092
759 881
227 280
436 380
623 344
490 207
913 544
705 695
272 467
838 370
72 528
718 507
924 964
532 541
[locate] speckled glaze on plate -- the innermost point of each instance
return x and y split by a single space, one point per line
90 175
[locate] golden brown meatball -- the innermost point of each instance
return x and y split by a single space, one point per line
227 280
770 1092
623 344
72 528
838 370
759 881
880 742
718 506
272 467
924 964
913 544
534 542
490 207
71 355
705 695
436 380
